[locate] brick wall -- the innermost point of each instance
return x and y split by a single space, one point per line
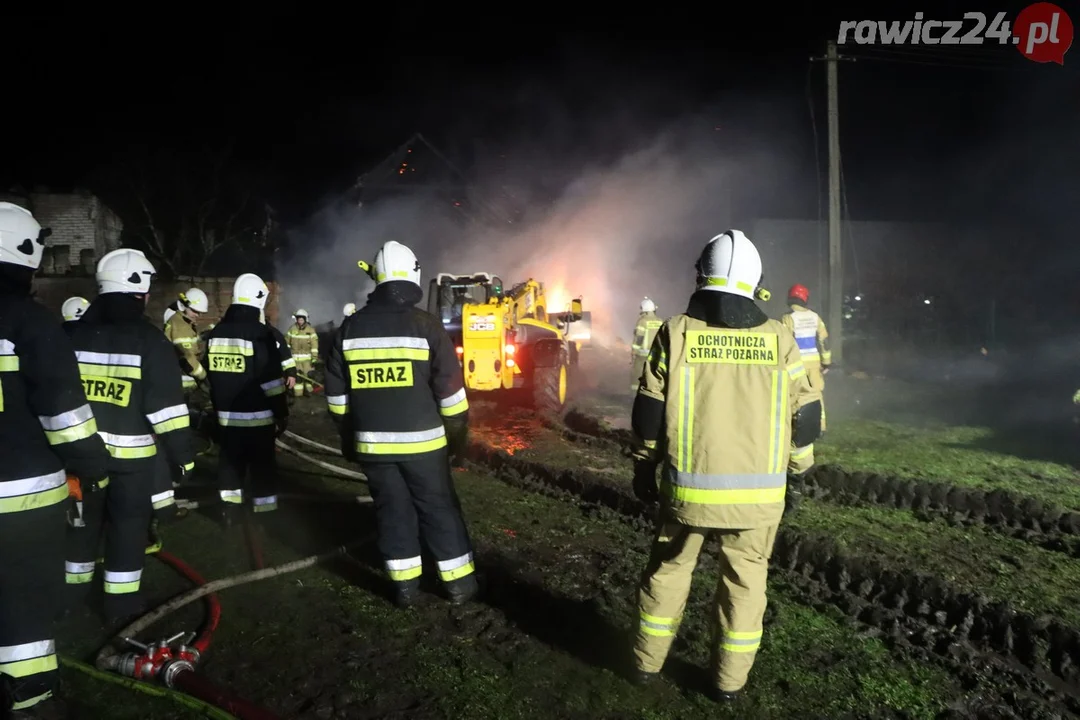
53 291
83 229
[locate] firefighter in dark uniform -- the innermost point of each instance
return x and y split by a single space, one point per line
46 425
247 389
131 377
394 384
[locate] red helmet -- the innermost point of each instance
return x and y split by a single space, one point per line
799 292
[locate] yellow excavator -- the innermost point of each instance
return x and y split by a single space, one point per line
508 341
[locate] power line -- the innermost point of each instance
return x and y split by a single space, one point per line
874 54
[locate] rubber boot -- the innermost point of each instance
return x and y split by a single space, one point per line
723 696
406 594
643 678
463 590
230 515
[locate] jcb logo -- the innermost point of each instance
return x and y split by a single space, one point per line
220 362
367 376
107 390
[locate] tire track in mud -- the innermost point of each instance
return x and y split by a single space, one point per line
1011 514
1029 665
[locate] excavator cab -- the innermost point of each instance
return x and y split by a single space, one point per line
449 294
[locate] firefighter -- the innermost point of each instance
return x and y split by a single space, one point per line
182 332
73 308
288 365
348 310
247 388
644 332
304 346
131 378
394 384
45 416
723 398
812 338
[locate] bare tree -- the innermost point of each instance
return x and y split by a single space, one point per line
185 208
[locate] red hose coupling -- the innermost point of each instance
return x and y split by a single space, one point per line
158 660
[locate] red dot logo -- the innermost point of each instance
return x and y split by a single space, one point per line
1043 33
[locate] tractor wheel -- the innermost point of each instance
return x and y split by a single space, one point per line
550 386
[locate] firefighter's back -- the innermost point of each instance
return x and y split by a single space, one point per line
388 354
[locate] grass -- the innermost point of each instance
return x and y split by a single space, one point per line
959 455
975 560
547 643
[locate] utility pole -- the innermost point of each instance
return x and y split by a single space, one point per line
836 257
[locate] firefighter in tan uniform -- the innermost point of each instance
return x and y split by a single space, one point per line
304 344
813 341
723 399
644 332
182 332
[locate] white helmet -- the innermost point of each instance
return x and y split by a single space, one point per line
730 263
74 307
648 305
195 299
249 289
124 271
22 239
349 309
394 261
301 313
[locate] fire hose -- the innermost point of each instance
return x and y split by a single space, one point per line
172 660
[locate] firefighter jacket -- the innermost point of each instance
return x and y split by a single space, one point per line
724 392
392 378
303 343
644 332
46 424
69 326
810 334
130 376
288 365
242 361
181 332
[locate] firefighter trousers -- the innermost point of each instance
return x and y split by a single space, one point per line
415 501
637 367
739 601
121 512
303 386
817 381
248 466
163 497
31 585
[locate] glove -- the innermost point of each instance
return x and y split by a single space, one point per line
282 424
645 488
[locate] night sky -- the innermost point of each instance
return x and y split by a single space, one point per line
311 102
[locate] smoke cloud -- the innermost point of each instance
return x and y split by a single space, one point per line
614 232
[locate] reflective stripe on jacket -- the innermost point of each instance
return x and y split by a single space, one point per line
393 376
729 398
303 342
644 332
810 334
46 423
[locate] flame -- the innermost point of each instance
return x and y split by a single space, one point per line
558 298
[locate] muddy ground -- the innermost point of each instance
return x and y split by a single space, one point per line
895 594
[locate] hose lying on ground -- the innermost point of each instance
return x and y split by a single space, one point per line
206 635
312 443
351 474
180 698
212 587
